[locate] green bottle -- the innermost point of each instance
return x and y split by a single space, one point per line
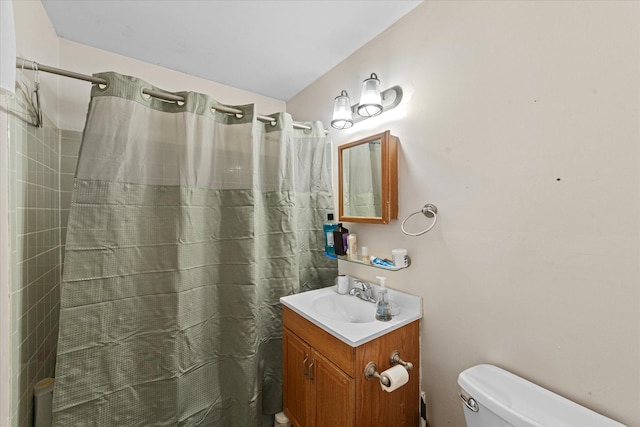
328 227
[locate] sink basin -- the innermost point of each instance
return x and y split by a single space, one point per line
349 318
345 308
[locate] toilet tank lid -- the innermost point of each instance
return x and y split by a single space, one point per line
520 401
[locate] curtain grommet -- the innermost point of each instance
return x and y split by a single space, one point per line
145 96
103 86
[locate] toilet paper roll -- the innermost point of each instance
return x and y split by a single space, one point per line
398 376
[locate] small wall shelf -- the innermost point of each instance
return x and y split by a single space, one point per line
367 263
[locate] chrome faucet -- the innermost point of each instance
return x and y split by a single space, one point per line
363 292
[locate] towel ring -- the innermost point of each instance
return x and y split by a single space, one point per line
428 210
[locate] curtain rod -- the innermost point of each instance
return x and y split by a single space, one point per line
166 96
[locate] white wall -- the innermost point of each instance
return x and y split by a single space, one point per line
522 126
35 37
5 277
36 40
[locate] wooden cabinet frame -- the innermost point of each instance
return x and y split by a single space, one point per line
333 391
389 172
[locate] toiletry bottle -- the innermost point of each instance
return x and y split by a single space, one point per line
345 241
399 257
383 307
353 246
328 228
340 240
365 254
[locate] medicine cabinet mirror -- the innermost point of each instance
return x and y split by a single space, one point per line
368 179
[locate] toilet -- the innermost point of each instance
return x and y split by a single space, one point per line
493 397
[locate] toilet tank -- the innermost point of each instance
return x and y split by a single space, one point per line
504 399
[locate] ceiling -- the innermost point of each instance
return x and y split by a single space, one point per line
274 48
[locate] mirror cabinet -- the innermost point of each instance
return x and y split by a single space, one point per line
368 179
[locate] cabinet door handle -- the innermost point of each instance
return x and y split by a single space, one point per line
304 366
310 376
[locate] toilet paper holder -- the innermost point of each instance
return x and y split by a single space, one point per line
395 359
371 370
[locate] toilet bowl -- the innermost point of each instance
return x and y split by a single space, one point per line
493 397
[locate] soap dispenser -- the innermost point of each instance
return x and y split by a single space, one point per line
383 307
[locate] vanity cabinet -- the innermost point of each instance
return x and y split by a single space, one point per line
324 383
319 393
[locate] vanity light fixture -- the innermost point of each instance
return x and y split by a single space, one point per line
342 118
370 99
372 103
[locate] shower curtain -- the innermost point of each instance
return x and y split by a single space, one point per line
362 176
186 227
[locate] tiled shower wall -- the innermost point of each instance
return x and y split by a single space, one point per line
39 206
69 149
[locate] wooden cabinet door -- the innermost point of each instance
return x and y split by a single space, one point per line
296 357
333 394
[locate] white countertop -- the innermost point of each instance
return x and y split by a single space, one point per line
354 334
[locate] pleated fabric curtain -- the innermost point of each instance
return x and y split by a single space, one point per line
186 227
362 176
